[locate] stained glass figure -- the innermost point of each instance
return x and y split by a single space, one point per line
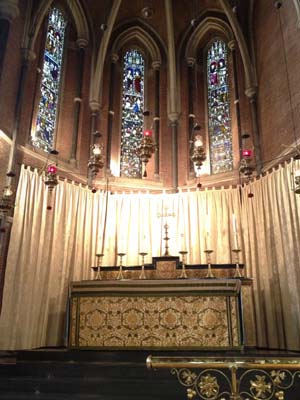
43 134
132 113
219 120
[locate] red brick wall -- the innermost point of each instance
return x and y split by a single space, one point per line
275 107
11 70
277 45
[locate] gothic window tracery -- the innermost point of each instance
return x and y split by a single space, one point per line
219 117
43 134
132 113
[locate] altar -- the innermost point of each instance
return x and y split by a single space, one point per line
163 314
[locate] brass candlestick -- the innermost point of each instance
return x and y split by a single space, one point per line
165 214
208 260
183 274
99 264
166 238
120 273
237 273
142 275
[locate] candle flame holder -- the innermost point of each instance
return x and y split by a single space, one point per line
120 273
165 214
208 261
237 273
99 265
142 275
183 274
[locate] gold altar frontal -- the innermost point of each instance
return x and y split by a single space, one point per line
156 314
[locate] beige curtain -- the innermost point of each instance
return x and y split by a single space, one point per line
271 232
49 249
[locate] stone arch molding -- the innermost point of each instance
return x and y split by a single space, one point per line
224 29
297 6
76 11
207 24
140 36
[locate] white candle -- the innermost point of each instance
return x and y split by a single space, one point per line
207 233
235 232
144 245
183 243
99 247
121 244
234 227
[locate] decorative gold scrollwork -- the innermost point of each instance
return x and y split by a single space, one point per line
279 395
208 386
205 385
260 388
214 384
278 376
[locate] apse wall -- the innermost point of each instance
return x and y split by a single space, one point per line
277 52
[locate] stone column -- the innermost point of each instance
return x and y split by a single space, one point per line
191 117
111 112
95 109
173 117
156 67
232 47
82 44
28 56
251 94
9 10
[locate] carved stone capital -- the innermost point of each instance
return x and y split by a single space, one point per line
114 58
28 55
232 45
173 117
156 65
190 61
94 106
9 9
82 43
251 92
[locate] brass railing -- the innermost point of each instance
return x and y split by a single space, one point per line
246 378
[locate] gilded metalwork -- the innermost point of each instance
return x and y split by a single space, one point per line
260 388
155 314
238 379
187 321
208 386
73 319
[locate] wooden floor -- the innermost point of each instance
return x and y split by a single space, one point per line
59 374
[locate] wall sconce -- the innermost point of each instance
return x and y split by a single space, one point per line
6 200
198 153
50 181
51 177
96 161
49 172
246 168
297 181
146 148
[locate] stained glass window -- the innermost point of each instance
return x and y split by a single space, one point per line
132 113
43 134
219 123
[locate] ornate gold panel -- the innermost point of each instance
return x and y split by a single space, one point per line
155 320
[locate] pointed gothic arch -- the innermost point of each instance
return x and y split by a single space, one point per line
76 11
137 38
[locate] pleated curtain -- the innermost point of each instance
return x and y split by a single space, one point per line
51 248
